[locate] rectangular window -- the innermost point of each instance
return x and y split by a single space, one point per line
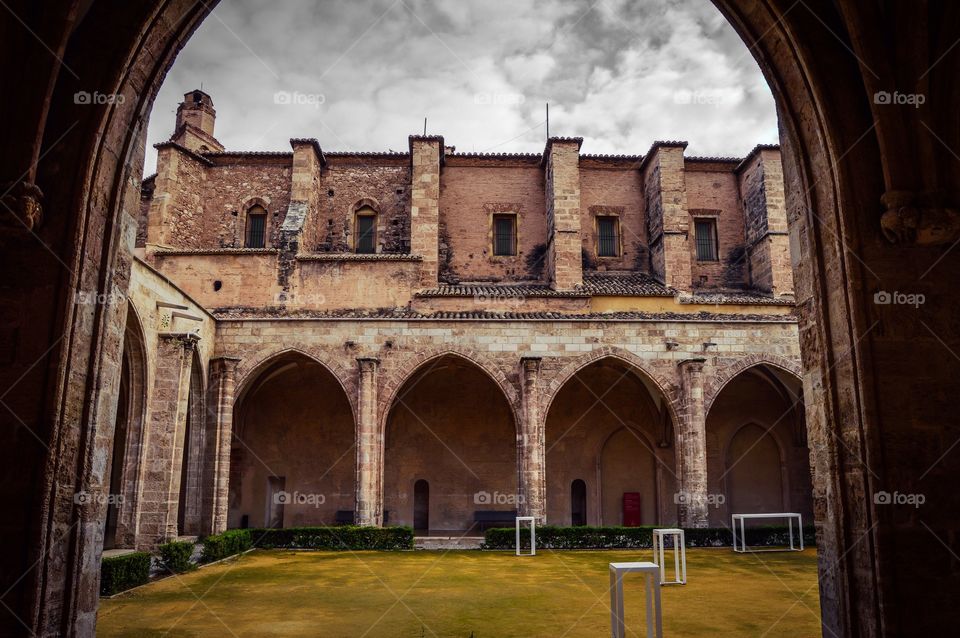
256 231
505 235
706 238
366 233
608 237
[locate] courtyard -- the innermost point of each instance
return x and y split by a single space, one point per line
464 593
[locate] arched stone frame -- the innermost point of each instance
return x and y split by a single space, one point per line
660 388
250 368
373 204
725 375
658 471
824 112
240 231
396 378
666 389
134 466
768 430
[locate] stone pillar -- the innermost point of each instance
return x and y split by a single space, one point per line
761 186
369 504
692 447
564 248
426 156
223 379
533 475
169 402
668 219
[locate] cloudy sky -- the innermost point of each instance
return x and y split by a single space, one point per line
362 75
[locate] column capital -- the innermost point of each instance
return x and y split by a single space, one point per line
531 364
695 364
368 363
187 339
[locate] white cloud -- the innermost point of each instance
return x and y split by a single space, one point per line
618 73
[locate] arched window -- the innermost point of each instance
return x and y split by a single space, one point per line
256 236
365 240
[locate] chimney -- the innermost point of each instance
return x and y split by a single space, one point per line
561 159
195 121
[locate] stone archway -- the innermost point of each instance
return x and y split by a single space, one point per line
858 174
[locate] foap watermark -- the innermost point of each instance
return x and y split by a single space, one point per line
83 298
513 301
97 98
499 99
899 99
896 298
701 97
711 500
299 498
306 300
97 498
896 498
296 98
496 498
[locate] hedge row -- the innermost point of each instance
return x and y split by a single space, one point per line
219 546
119 573
175 556
553 537
336 538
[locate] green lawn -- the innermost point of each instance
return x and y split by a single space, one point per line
491 594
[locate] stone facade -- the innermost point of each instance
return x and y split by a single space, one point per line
491 381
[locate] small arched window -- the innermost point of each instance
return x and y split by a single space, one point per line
365 240
256 235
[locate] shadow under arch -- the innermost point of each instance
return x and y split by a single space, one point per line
423 362
659 388
250 375
727 374
730 464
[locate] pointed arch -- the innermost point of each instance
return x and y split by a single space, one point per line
666 389
398 376
249 371
729 373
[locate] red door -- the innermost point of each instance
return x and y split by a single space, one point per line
631 509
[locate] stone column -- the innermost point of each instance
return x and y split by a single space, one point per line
223 379
369 504
692 446
533 476
169 402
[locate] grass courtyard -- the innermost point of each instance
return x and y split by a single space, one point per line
491 594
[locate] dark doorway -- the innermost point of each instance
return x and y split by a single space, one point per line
184 478
117 458
578 502
421 506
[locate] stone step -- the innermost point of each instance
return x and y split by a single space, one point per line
447 542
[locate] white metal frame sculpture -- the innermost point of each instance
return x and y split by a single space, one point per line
679 555
743 539
533 534
651 585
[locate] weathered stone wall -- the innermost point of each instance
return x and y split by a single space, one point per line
613 188
714 194
472 190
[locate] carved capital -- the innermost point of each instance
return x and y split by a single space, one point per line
925 219
22 200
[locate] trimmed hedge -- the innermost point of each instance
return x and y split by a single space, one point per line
554 537
337 538
219 546
175 556
120 573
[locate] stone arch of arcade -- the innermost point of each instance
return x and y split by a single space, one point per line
449 424
866 184
757 454
292 450
609 424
